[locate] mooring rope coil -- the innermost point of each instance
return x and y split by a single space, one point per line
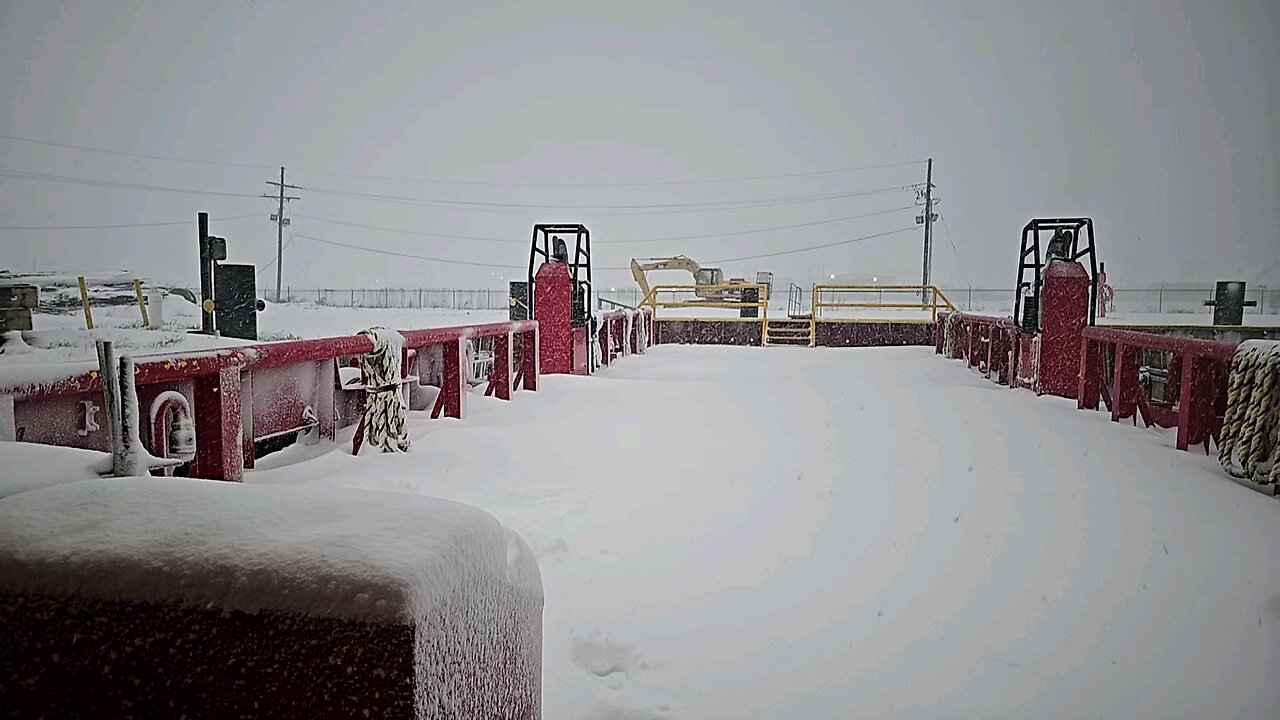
384 410
1249 428
949 334
642 335
629 319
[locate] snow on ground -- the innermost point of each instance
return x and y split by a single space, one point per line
28 466
822 533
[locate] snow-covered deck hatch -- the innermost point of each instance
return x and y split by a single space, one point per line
319 552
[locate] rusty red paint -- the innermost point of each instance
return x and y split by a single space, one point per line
245 394
500 378
1198 375
1064 315
553 301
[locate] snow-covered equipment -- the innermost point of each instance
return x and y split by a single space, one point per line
228 292
17 300
1228 303
155 308
479 360
128 455
383 423
224 599
173 432
558 296
1056 297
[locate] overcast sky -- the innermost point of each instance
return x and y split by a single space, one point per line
1158 118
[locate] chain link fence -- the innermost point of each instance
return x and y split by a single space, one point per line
1154 301
995 301
441 298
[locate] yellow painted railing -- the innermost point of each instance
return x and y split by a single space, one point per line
705 296
930 298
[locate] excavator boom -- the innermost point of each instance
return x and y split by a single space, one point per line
701 276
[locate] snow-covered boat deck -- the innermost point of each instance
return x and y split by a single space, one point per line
822 533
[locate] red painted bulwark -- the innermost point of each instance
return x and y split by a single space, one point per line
1064 314
873 334
1202 368
454 388
500 379
245 394
553 306
219 455
707 332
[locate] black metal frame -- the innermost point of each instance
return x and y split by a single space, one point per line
795 301
541 246
1031 247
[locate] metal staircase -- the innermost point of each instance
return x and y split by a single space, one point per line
798 329
795 332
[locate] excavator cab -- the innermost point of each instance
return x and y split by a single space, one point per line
709 276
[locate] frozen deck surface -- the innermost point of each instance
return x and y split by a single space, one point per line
817 533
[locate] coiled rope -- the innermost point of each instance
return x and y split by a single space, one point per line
1248 446
642 334
949 334
384 409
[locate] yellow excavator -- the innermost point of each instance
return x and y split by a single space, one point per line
709 282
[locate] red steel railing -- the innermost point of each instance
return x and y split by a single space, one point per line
245 394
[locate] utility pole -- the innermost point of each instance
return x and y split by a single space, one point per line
927 220
281 221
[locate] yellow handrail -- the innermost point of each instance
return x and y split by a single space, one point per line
932 298
762 302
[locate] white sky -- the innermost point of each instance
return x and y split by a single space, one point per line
1156 117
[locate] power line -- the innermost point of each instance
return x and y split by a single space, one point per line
959 262
411 256
272 261
402 231
68 180
644 183
814 247
126 225
169 158
761 230
378 251
477 206
622 213
479 183
606 242
652 207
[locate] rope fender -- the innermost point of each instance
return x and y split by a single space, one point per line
384 409
949 334
1249 428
